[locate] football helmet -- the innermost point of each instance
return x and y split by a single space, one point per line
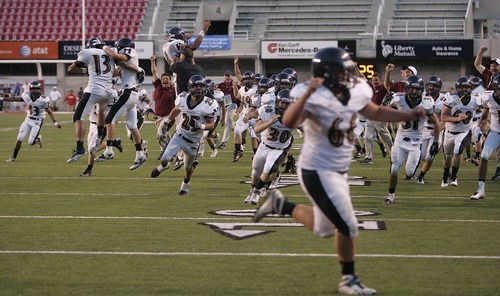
293 75
197 86
436 83
476 81
335 66
176 34
35 90
248 79
210 85
258 77
124 42
414 86
95 43
283 81
264 85
272 78
282 101
463 86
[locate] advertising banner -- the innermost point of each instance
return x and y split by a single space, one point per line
428 49
214 42
24 50
293 49
69 49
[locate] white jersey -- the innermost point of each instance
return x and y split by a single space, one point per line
277 135
173 48
429 126
36 109
246 98
219 99
100 73
458 107
487 101
269 98
199 112
129 77
329 127
411 130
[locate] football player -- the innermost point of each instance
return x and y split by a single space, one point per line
177 40
457 113
273 149
433 89
37 105
212 137
197 114
491 107
98 91
244 95
409 135
132 77
335 95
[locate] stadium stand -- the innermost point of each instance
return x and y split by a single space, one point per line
62 19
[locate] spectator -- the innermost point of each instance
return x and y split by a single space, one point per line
17 90
17 106
54 95
231 104
26 86
185 69
70 100
406 71
487 74
6 93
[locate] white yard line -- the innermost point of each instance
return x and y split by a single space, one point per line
206 254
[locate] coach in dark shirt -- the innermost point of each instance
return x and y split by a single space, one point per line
185 69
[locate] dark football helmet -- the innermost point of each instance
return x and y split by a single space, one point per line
210 85
414 86
258 77
476 81
264 85
463 86
335 66
436 83
272 78
248 79
197 86
283 81
124 43
95 43
282 101
35 90
293 75
495 82
176 34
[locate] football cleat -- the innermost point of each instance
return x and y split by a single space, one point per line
118 144
350 285
248 198
217 140
184 189
158 170
39 141
272 205
478 195
195 163
10 159
366 161
144 145
86 174
496 175
474 161
444 184
97 145
178 164
105 156
139 159
237 155
454 182
255 197
390 199
77 154
222 145
420 180
214 153
384 152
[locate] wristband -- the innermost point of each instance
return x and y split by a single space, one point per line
202 126
55 123
202 33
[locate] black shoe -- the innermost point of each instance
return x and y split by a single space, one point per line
384 152
118 144
237 155
86 174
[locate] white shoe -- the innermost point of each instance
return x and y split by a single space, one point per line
420 181
105 156
214 153
444 184
350 285
454 182
478 195
76 155
10 159
390 199
139 159
248 198
254 197
217 140
272 205
184 189
97 145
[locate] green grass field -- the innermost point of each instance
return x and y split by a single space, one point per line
121 232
